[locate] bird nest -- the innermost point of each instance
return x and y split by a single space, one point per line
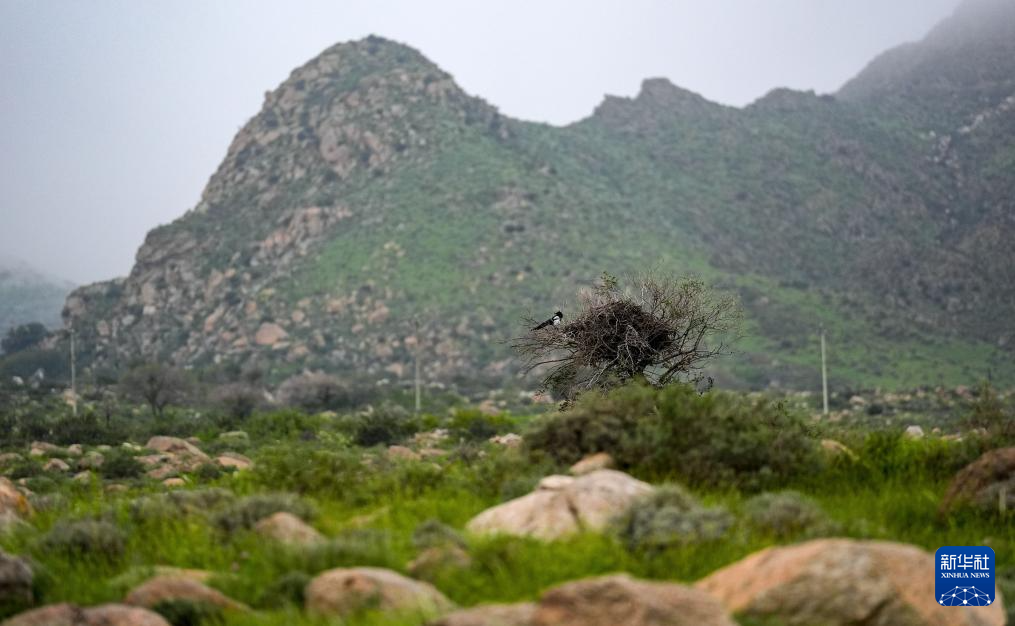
620 332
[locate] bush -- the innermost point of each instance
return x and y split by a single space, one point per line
246 512
597 423
208 471
284 425
85 539
23 337
176 504
385 425
784 514
712 438
120 464
286 590
434 534
180 612
316 391
474 425
236 402
670 517
356 548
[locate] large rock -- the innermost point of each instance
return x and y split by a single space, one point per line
234 460
56 465
175 445
172 587
13 503
842 582
490 615
102 615
286 528
42 448
344 591
563 505
620 599
984 482
591 463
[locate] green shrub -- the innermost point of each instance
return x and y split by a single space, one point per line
85 538
433 533
785 513
597 423
474 425
670 517
285 425
286 590
385 425
208 471
180 612
120 464
246 512
712 438
177 504
364 547
25 468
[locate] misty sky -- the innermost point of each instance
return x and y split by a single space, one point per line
113 114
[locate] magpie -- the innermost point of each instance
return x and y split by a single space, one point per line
553 321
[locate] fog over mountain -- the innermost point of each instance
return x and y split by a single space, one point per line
114 113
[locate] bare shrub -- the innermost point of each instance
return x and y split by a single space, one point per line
662 330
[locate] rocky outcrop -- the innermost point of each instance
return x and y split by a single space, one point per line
620 599
286 528
490 615
841 582
591 463
172 587
234 460
340 592
988 482
102 615
563 505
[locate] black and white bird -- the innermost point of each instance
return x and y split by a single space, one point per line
553 321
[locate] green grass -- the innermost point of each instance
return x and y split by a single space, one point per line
889 497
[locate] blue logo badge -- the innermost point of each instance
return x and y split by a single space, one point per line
964 575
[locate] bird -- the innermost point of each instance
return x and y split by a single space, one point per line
553 321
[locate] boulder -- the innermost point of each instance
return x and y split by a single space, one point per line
172 483
985 482
10 458
491 615
75 449
166 588
286 528
83 478
176 446
841 582
41 448
56 465
269 334
913 432
402 453
16 578
343 591
102 615
91 461
510 440
621 599
12 502
591 463
563 505
234 459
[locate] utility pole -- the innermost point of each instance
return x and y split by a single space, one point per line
73 374
419 396
824 373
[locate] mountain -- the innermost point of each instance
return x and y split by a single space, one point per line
370 193
28 295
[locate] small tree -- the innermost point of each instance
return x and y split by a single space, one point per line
157 385
664 329
23 337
